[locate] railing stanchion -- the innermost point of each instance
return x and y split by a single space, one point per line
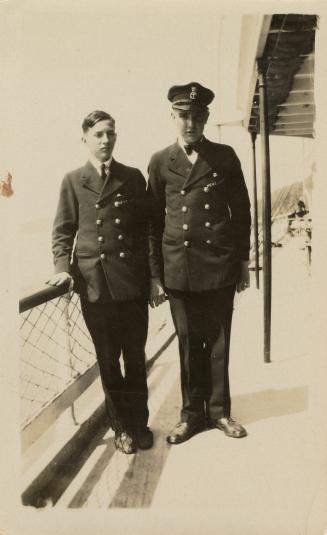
255 211
266 206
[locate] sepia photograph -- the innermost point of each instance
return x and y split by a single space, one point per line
163 216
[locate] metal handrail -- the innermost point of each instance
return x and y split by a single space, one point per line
57 350
42 295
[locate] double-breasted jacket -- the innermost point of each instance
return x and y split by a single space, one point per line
200 217
100 233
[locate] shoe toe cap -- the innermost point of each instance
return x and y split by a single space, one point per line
174 439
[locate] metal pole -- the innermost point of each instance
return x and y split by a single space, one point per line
266 206
255 211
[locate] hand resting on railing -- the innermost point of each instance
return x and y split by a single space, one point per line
61 278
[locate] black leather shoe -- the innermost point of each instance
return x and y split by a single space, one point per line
144 438
183 431
230 427
125 443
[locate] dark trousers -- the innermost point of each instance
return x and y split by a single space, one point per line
120 328
203 324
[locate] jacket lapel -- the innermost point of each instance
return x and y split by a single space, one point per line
91 179
114 181
204 164
199 170
179 162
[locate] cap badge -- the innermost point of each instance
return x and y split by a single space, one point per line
194 93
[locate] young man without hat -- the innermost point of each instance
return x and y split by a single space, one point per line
100 239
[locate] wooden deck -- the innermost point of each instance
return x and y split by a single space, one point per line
271 482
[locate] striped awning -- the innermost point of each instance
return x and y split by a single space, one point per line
287 52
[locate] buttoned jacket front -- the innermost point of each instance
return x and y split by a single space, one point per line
100 233
200 217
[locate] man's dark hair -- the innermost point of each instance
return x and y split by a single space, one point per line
94 117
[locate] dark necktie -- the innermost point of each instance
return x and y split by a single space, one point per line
192 147
103 172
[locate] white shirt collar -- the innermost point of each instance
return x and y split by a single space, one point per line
191 157
97 164
181 143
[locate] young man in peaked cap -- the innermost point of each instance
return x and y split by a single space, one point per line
199 251
103 206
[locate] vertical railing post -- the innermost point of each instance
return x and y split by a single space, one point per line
266 206
255 212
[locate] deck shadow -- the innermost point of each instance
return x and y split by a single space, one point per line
138 487
136 476
50 485
270 403
131 480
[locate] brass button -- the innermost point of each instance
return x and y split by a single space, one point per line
120 237
184 209
118 195
208 242
207 206
183 192
101 239
117 221
102 256
185 226
122 255
97 206
186 243
206 189
207 224
99 222
214 175
117 204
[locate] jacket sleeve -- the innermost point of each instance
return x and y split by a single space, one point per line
141 211
64 227
157 206
239 204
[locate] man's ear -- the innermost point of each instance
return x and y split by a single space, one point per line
206 117
83 139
